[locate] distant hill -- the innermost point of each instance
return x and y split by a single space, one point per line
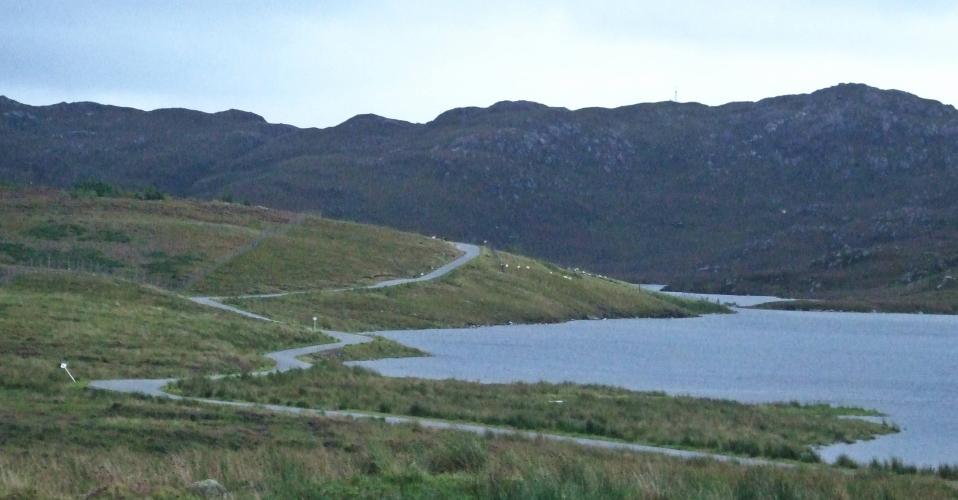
846 188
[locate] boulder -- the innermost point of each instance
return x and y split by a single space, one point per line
209 488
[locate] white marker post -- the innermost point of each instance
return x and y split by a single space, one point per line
64 366
314 323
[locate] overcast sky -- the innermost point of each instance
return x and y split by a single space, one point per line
318 63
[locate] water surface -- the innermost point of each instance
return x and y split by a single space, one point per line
903 365
719 298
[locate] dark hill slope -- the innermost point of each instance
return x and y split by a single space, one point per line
171 148
847 187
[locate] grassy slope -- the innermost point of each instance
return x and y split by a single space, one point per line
215 248
321 253
78 443
485 291
160 242
112 328
777 431
221 249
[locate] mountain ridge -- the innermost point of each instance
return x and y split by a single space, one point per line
744 196
511 105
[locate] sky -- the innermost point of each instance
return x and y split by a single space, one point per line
315 64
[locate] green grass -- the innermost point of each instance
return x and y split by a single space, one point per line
784 431
61 440
157 242
379 348
896 465
211 248
56 232
495 288
110 328
73 443
320 253
82 258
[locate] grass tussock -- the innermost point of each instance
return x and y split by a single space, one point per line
784 431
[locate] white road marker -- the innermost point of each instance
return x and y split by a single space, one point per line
64 366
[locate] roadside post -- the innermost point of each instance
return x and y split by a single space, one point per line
64 366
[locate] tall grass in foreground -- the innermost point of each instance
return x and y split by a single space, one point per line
323 458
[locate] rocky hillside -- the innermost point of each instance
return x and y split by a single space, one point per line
849 187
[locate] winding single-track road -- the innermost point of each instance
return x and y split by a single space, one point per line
289 360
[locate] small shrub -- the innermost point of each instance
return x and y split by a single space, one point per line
949 472
169 266
746 447
417 410
809 457
94 188
18 252
846 461
459 452
107 236
55 232
75 258
895 465
151 194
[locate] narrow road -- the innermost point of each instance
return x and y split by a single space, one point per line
288 359
469 252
